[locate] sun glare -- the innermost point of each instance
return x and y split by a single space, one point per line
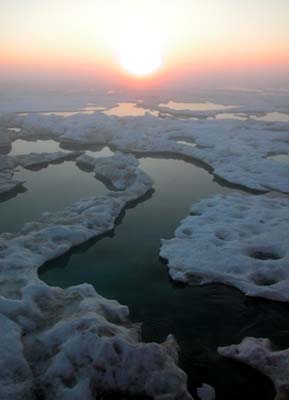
140 51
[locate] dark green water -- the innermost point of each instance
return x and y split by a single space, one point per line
49 189
125 265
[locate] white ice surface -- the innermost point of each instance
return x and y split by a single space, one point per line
237 151
39 159
120 170
239 240
260 354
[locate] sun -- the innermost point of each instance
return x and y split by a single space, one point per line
139 51
140 60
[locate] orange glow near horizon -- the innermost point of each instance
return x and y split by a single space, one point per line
147 38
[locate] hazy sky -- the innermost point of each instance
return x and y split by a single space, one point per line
87 35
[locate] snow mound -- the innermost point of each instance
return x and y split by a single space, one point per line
259 354
80 346
119 170
15 373
239 240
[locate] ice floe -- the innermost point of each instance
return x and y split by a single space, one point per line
120 170
74 344
8 182
261 355
239 240
34 160
237 151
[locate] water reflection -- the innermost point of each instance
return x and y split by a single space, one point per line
129 109
20 146
89 108
283 158
206 106
49 189
272 117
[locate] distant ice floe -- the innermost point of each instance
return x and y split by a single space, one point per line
239 240
237 151
34 160
260 354
73 343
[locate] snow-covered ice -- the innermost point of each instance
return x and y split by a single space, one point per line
74 344
33 160
261 355
119 170
239 240
8 182
237 151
